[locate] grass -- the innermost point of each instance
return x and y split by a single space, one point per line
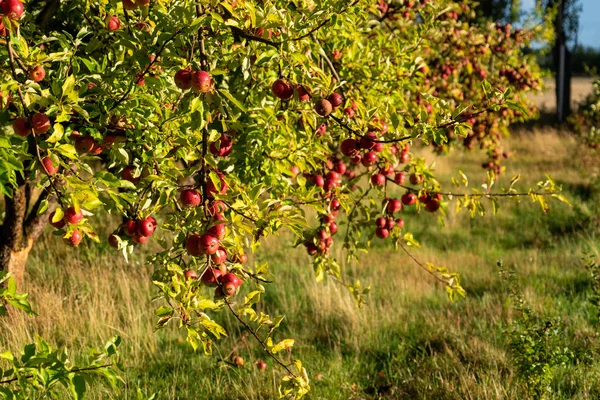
408 342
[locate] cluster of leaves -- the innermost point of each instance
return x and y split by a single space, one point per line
278 87
41 371
536 343
586 121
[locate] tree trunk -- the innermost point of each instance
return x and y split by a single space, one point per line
20 229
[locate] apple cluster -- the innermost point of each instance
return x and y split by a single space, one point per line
71 216
138 230
199 81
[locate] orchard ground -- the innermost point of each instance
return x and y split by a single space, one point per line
409 341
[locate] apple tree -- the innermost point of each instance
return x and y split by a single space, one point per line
220 123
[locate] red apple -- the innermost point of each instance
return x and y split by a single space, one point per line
381 222
432 205
416 179
145 227
84 144
73 217
58 224
190 274
409 199
219 257
21 126
40 123
241 259
48 166
130 227
208 244
13 9
183 79
141 239
400 178
37 74
400 223
75 238
113 241
212 189
382 233
113 23
349 147
211 277
303 94
394 206
127 174
261 365
282 89
349 112
190 198
191 245
129 5
201 81
321 129
369 159
335 99
378 180
216 207
323 107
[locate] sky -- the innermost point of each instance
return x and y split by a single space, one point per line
589 21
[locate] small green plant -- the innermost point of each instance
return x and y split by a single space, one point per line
42 372
594 270
535 342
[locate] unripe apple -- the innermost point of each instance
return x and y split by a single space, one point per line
75 238
239 361
73 217
190 198
323 107
37 74
409 199
416 179
13 9
21 126
191 245
130 227
382 233
201 81
40 123
113 241
394 206
282 89
378 180
335 99
208 244
183 79
190 274
48 166
113 23
58 224
400 178
145 227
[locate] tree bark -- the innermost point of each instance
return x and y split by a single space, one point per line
20 229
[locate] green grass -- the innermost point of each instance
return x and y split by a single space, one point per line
408 342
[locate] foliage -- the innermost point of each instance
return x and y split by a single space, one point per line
41 371
288 99
536 343
586 122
